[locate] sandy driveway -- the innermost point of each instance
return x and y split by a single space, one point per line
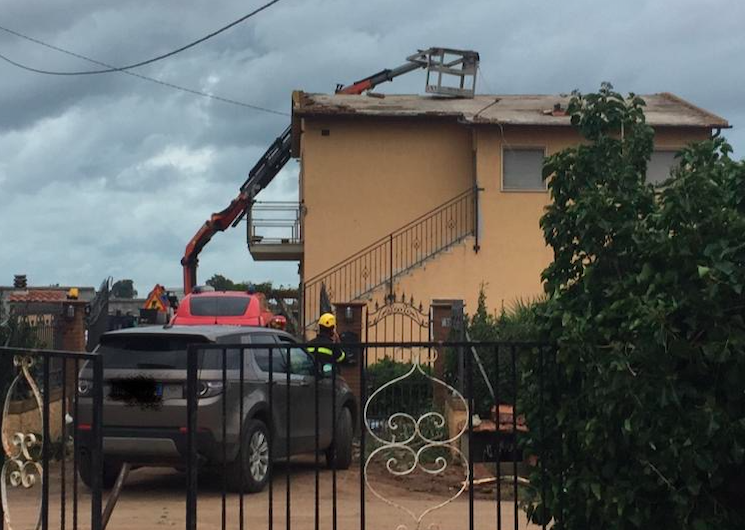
155 498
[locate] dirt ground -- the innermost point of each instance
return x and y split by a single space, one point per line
155 498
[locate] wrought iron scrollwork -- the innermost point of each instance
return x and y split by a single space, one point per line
404 308
22 468
414 442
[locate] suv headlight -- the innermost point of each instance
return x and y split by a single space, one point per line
207 389
85 387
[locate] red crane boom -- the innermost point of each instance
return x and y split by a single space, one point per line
274 159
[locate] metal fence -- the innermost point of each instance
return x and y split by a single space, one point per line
288 394
272 420
41 454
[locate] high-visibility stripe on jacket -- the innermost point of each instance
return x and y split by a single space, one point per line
325 350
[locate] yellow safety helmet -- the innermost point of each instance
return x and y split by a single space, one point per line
327 320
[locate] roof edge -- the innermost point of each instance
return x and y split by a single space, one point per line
319 105
719 121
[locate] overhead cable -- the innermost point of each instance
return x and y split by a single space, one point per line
141 63
134 74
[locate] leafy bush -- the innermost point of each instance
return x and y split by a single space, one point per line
517 323
412 395
646 421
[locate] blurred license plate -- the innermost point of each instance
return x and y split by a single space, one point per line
137 390
169 391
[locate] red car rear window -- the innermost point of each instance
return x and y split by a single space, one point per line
219 306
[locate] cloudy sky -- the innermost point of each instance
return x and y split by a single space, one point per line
111 175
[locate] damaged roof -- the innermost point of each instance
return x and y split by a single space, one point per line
662 110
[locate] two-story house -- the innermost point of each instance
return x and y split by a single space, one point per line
434 197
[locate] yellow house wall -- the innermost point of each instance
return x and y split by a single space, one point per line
368 178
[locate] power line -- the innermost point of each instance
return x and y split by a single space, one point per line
141 63
133 74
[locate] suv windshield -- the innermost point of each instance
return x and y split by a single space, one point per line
164 352
219 306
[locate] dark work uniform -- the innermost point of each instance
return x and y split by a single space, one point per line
326 350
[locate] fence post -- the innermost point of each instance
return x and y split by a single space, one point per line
363 432
459 332
542 441
192 365
46 441
469 386
97 446
5 378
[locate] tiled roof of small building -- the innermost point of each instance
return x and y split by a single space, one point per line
38 295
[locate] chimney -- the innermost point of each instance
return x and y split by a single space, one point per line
19 281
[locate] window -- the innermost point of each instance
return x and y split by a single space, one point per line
219 306
261 355
160 352
300 362
522 168
660 165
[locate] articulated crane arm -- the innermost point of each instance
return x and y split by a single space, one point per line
259 178
269 165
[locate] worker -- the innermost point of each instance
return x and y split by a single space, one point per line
325 351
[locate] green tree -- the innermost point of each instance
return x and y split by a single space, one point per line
645 423
123 289
221 283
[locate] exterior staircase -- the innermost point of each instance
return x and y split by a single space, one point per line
397 254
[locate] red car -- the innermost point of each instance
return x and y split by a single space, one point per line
230 308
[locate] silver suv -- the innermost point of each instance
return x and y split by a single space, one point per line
145 403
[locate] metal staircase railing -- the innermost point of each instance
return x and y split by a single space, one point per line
389 257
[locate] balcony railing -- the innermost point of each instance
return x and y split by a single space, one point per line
273 231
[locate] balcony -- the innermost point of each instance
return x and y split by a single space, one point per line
273 231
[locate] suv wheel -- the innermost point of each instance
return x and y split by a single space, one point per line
256 465
340 454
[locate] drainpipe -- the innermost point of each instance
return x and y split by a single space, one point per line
476 189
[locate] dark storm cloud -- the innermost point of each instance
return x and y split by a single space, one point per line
111 174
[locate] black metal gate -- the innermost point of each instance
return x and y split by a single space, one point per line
398 320
272 437
39 483
396 468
